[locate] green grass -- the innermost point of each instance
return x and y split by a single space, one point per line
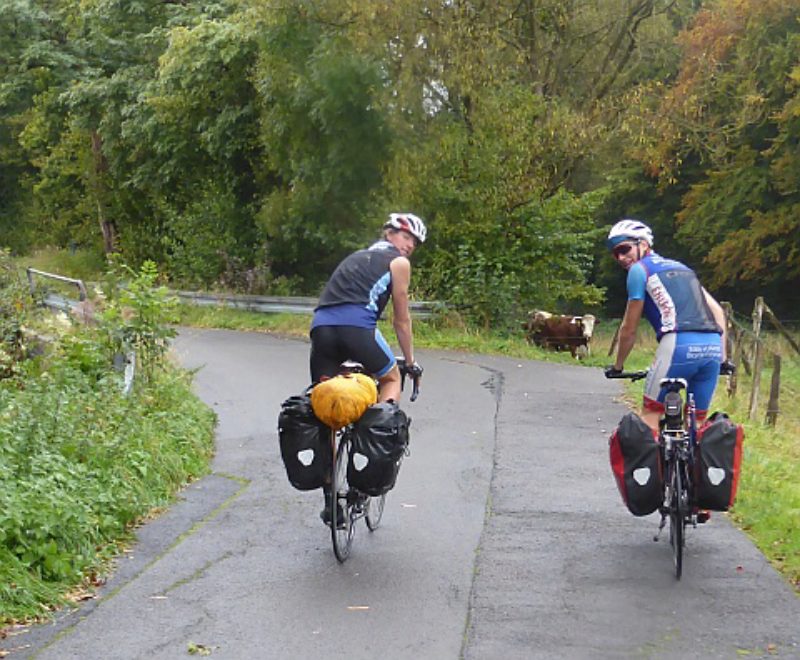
768 502
81 264
80 465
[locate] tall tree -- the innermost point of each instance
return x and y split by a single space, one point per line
733 110
325 141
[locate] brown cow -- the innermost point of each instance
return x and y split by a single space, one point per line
560 332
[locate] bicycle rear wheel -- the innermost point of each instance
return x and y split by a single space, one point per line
374 511
677 518
342 514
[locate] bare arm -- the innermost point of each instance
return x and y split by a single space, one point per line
401 278
627 331
719 317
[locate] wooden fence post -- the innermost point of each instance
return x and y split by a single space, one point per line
741 351
773 406
758 313
614 340
731 346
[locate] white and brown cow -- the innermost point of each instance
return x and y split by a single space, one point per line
560 331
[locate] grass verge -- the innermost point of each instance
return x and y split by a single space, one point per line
80 466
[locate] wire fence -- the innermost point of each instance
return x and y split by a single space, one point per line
748 346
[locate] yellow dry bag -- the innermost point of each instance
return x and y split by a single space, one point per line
343 399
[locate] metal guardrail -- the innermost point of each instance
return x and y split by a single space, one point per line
58 300
252 303
125 363
285 304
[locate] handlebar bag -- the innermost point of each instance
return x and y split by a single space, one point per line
305 443
635 458
718 460
380 439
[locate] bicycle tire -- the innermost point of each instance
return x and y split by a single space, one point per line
374 511
342 530
677 519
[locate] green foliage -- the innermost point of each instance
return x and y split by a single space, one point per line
15 306
247 145
733 110
325 143
505 233
82 264
79 464
81 461
136 315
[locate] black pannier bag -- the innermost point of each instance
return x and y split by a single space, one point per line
380 438
635 457
717 462
305 443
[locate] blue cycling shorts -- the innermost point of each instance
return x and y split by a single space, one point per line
693 356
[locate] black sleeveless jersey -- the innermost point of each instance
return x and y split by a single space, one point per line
362 278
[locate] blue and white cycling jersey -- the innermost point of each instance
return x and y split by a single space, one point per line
673 297
690 345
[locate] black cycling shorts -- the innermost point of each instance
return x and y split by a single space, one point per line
333 344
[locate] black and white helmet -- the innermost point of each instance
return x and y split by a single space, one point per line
629 230
407 222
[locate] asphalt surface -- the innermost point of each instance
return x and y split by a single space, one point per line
505 538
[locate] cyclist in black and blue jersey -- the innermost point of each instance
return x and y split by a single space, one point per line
345 321
689 323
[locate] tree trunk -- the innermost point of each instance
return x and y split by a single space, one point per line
108 227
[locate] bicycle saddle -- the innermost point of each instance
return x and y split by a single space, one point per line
673 384
351 367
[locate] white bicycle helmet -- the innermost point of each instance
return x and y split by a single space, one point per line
407 222
629 230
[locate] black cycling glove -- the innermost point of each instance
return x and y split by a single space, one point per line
414 370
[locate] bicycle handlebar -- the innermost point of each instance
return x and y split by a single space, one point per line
414 372
632 375
726 368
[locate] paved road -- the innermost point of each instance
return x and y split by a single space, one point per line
504 538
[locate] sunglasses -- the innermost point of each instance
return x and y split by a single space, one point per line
622 249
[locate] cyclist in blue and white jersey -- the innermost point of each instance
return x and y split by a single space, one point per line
345 321
689 323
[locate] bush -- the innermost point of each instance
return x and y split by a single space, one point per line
80 461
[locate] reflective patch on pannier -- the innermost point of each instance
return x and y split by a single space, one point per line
635 458
641 476
305 444
718 460
359 461
380 439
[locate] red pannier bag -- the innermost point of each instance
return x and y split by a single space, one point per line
717 462
635 458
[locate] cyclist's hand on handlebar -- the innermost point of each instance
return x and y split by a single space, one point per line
727 368
611 371
414 370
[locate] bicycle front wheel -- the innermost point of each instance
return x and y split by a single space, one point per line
342 514
677 518
374 511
